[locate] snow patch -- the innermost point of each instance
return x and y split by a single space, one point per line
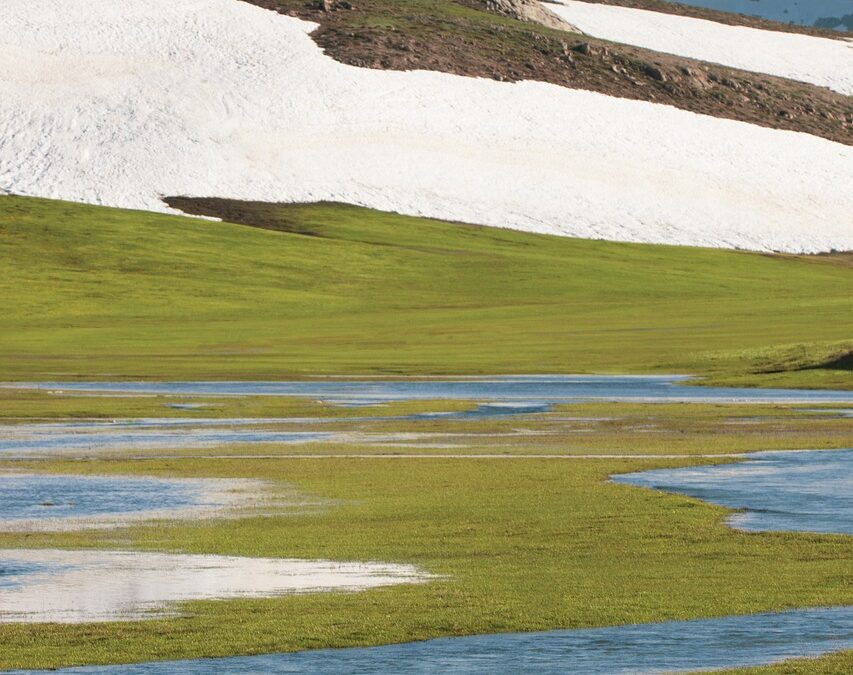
822 61
122 103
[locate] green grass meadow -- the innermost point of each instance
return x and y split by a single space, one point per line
520 545
516 544
97 293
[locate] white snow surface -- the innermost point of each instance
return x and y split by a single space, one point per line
822 61
121 103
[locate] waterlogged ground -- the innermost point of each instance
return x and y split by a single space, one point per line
152 433
45 502
799 491
54 586
457 415
146 434
434 511
650 648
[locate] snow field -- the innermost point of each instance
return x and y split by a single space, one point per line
123 103
822 61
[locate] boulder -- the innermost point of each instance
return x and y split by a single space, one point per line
528 10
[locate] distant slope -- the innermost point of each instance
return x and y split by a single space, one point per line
819 61
809 17
459 36
818 13
91 292
222 98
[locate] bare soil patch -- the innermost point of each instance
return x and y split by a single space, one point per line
264 215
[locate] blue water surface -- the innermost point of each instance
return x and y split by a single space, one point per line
834 14
132 436
40 497
14 573
647 648
533 389
799 491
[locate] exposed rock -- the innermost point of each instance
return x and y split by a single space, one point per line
654 72
474 45
697 78
588 49
529 10
332 5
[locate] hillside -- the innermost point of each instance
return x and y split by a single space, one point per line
825 62
338 289
460 36
232 100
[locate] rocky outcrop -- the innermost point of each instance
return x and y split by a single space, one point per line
528 10
331 5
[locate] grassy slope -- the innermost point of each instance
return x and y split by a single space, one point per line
91 292
105 293
540 545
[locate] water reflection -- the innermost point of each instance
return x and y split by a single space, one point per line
41 586
47 502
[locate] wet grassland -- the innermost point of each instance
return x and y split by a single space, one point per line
518 543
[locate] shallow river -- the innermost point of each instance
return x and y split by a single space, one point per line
792 491
535 389
800 491
647 648
496 396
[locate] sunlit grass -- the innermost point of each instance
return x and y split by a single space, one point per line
532 545
103 293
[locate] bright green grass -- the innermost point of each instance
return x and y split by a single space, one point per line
532 545
91 293
833 664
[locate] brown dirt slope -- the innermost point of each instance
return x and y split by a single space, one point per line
264 215
462 37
